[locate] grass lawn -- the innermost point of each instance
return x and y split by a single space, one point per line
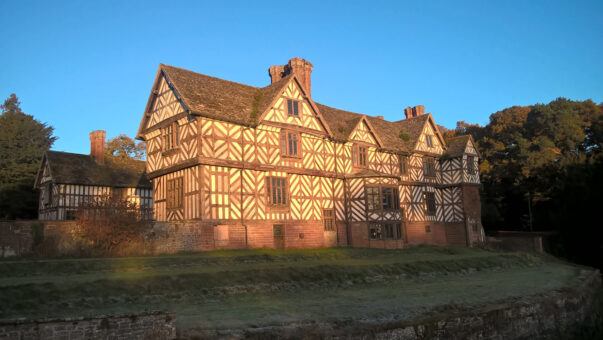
252 288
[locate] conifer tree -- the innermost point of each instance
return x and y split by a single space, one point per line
23 141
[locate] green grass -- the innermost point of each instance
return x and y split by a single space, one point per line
249 288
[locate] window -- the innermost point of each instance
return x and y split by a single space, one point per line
289 144
293 107
328 219
382 198
387 231
359 156
48 195
372 198
471 164
429 167
389 198
429 203
170 136
427 229
429 140
375 231
277 191
403 162
174 193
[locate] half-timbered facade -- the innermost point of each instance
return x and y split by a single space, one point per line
65 180
271 166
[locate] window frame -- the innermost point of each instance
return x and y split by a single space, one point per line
328 218
174 193
283 199
429 167
359 150
429 141
286 139
403 165
470 164
386 231
170 137
429 203
294 107
379 198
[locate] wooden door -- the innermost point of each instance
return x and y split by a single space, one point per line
279 233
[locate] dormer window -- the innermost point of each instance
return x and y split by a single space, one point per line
429 140
170 136
293 107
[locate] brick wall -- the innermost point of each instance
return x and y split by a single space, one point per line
154 325
417 233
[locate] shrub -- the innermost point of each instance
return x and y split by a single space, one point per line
110 222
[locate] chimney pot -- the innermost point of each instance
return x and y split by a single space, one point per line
97 146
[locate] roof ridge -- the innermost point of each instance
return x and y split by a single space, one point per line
207 75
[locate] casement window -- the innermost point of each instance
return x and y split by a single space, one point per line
429 140
385 231
329 219
389 197
290 143
170 136
471 165
429 167
276 188
403 164
293 107
175 193
359 156
48 195
382 198
373 201
429 204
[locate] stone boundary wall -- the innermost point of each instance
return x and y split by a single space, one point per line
153 325
568 313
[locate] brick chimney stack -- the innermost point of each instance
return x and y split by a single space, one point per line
411 112
298 66
97 146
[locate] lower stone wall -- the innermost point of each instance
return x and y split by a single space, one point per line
570 313
515 241
155 325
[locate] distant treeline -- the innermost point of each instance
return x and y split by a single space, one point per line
541 168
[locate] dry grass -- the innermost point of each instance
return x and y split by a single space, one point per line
253 288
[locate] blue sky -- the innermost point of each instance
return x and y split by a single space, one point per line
86 65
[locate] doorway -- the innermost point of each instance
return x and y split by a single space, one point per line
279 239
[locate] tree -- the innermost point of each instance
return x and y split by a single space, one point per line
125 147
23 141
544 161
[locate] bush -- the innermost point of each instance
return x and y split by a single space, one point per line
112 224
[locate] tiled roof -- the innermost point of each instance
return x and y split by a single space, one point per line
456 146
72 168
243 104
222 99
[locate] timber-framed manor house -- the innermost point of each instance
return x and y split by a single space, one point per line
270 167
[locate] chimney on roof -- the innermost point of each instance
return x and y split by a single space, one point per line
298 66
380 117
97 146
416 111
